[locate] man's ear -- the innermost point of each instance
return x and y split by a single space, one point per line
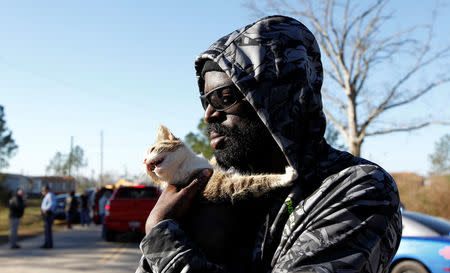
164 133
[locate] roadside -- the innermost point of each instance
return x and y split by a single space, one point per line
80 249
31 223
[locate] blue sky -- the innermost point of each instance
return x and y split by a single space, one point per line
124 67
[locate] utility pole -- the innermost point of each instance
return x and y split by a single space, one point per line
101 157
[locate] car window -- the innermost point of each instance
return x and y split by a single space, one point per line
137 193
103 191
424 225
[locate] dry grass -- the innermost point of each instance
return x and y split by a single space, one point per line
30 224
30 220
430 196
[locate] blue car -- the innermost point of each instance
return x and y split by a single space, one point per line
425 245
60 212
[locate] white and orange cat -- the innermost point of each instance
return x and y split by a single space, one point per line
170 161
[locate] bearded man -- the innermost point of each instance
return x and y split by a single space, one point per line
260 88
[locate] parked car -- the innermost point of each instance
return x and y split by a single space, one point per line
425 245
60 207
128 208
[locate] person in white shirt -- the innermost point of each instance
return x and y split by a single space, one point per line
101 210
48 207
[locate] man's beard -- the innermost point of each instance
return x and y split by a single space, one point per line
245 145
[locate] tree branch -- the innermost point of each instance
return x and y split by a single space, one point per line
418 94
359 48
335 100
385 106
340 126
333 77
406 128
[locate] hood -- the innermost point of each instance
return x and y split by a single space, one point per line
275 63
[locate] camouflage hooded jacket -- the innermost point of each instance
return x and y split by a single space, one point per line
341 214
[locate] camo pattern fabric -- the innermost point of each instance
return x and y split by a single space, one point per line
342 213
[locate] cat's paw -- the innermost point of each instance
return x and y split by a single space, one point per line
289 176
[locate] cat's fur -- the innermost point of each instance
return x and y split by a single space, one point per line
170 161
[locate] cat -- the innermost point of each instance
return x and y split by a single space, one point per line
170 161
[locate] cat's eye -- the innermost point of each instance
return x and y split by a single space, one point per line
221 98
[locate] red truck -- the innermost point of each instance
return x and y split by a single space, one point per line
128 208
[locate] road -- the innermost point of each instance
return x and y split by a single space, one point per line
78 250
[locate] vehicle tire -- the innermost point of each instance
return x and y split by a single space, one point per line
110 235
409 267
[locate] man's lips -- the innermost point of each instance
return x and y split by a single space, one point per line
216 140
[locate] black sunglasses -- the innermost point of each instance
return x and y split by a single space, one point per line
222 97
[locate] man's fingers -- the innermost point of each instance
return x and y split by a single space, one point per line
198 183
173 204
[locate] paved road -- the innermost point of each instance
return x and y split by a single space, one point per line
78 250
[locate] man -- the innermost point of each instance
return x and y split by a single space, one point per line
84 209
16 210
260 87
101 211
71 208
47 208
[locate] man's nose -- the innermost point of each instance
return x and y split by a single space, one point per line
212 115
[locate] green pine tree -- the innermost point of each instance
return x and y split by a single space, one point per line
199 142
8 146
440 158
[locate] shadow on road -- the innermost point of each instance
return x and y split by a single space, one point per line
129 237
80 249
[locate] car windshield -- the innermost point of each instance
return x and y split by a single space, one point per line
439 225
137 193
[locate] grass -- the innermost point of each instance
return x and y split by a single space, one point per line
31 219
30 224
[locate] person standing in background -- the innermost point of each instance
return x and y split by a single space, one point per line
84 211
48 207
101 211
92 203
16 210
71 208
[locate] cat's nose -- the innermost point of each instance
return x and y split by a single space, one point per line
149 164
150 167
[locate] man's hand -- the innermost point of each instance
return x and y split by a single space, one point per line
174 203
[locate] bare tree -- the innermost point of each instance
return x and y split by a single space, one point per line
61 164
357 50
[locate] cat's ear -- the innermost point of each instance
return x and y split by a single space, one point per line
165 134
